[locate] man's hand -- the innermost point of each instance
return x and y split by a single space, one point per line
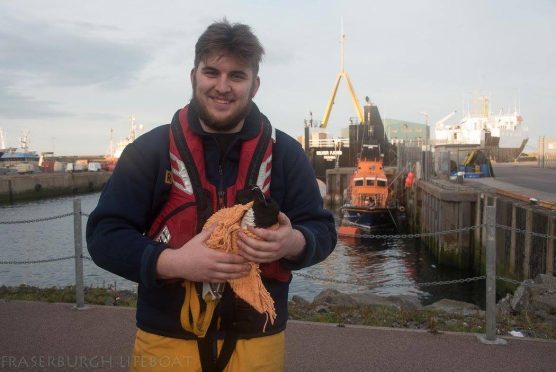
195 261
273 244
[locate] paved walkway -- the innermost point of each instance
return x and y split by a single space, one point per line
55 337
524 180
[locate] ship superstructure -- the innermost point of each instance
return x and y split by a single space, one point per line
502 135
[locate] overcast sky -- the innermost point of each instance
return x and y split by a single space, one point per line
72 70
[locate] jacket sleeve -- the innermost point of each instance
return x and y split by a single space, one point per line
127 205
302 203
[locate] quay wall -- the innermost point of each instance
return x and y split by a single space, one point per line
15 188
436 205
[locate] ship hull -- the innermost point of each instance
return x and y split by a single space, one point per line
505 154
369 219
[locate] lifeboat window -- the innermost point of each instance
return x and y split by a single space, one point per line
381 183
358 182
370 182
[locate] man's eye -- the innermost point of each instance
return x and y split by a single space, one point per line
238 77
210 73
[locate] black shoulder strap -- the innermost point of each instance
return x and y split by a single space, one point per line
204 208
244 195
255 165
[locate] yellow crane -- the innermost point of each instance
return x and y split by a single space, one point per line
345 75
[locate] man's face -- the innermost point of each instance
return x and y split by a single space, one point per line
223 87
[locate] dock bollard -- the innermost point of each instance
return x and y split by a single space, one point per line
490 337
78 244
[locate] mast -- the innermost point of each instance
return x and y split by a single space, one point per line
339 76
2 140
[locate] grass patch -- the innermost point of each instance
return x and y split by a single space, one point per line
433 321
377 316
93 296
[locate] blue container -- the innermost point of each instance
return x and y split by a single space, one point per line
485 170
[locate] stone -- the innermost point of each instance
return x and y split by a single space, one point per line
454 307
334 297
406 302
399 302
322 309
298 300
545 303
547 281
504 306
521 299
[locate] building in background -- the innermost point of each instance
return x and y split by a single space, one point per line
401 131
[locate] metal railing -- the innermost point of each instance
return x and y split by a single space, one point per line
78 249
490 276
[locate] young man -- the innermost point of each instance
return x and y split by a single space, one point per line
147 225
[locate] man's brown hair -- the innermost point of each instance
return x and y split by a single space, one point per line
235 39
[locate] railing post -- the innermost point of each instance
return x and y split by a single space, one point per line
550 246
541 150
78 244
490 220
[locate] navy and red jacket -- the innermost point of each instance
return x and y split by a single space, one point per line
137 190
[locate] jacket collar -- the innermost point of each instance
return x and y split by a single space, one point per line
249 130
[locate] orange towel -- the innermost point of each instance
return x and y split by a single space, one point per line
250 288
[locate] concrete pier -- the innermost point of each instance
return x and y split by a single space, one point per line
15 188
523 243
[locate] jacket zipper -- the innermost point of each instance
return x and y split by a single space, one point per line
221 191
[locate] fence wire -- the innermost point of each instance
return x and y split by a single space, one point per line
412 236
27 262
521 231
397 285
313 277
34 220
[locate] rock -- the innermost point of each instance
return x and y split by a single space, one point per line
298 300
322 309
369 299
399 302
454 307
414 325
521 299
334 297
545 303
406 302
547 281
504 306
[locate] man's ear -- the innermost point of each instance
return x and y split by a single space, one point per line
255 88
192 76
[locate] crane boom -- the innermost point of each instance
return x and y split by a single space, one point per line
439 124
341 74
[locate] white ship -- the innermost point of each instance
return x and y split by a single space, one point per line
115 152
501 135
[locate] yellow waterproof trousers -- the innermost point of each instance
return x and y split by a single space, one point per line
158 353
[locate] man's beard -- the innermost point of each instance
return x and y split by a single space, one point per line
215 124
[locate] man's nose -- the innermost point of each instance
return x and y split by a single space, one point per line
222 84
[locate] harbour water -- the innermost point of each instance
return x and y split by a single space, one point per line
384 267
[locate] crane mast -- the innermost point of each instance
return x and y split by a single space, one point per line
343 73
